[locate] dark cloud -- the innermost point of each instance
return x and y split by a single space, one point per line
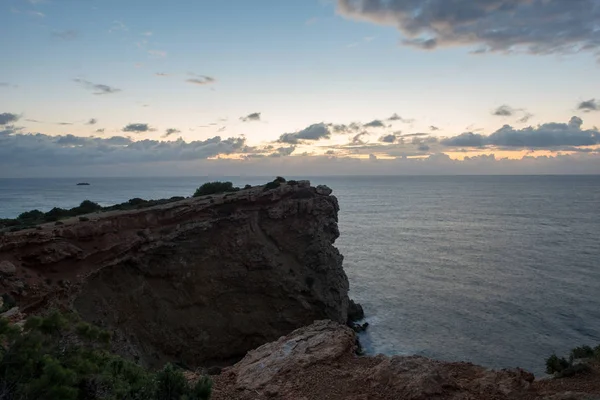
525 118
69 150
100 130
222 129
343 128
64 123
7 118
10 130
285 151
531 26
311 133
201 80
375 124
504 111
98 89
396 117
433 128
251 117
66 35
357 139
171 131
589 105
137 128
92 121
388 138
544 136
467 139
423 147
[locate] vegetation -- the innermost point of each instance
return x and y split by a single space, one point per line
59 357
577 362
275 183
215 188
32 218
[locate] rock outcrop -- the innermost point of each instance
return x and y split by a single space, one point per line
199 282
319 362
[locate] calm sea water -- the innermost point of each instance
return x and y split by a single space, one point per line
499 271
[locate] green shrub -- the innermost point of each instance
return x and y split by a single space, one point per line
555 364
59 357
215 188
86 207
248 187
33 215
582 352
272 185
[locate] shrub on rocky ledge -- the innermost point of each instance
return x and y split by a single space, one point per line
215 188
61 357
576 364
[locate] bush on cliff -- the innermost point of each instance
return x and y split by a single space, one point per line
61 357
215 188
577 363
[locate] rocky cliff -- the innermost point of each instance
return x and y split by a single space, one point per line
319 362
199 281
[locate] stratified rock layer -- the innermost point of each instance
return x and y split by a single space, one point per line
199 281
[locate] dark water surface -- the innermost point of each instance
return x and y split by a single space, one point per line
500 271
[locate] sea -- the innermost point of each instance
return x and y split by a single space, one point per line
501 271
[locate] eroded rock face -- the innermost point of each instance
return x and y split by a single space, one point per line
319 361
200 281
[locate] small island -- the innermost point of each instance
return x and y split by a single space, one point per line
83 184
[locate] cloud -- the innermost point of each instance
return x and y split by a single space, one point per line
157 53
92 121
504 111
251 117
7 85
68 150
357 139
311 21
545 136
100 130
7 118
311 133
433 128
343 128
137 128
171 131
66 35
10 130
372 157
201 80
117 26
148 33
530 26
387 138
415 134
98 89
64 123
525 118
375 124
396 117
589 105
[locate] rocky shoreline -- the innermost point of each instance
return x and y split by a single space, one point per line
249 280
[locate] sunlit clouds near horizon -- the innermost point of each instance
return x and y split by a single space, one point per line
306 87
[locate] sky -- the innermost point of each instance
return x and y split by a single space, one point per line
315 87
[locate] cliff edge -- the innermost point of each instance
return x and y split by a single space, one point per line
198 282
